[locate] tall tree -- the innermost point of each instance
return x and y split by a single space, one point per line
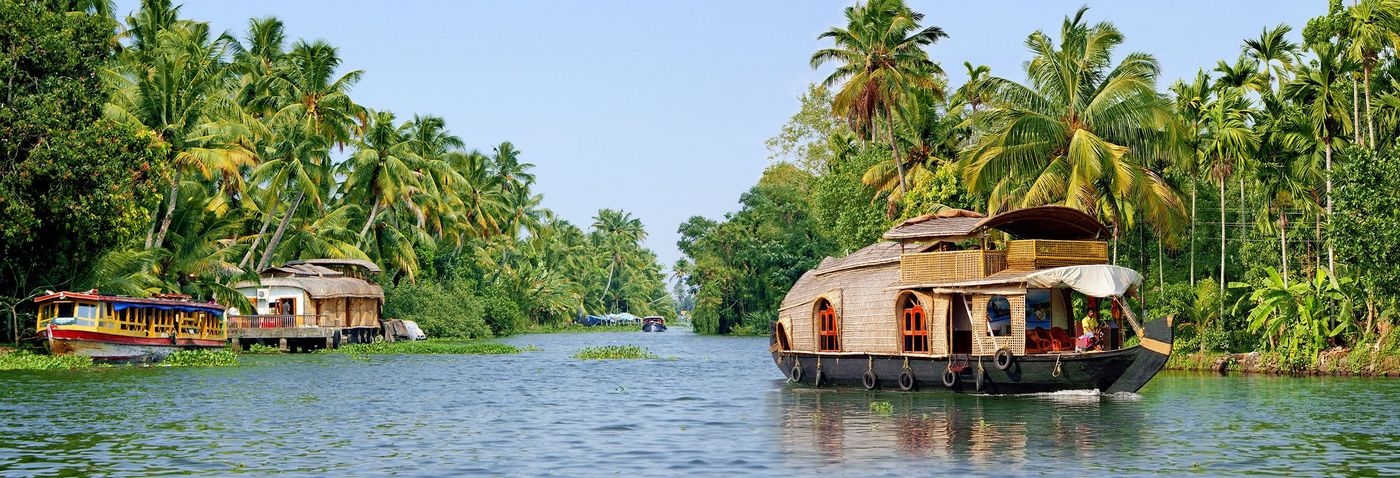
1316 86
1079 135
1373 29
881 58
1272 46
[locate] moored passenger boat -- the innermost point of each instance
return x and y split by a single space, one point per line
127 329
968 303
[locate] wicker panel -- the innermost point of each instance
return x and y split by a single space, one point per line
938 326
985 344
1042 254
927 267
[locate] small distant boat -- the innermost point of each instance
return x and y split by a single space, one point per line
654 323
127 329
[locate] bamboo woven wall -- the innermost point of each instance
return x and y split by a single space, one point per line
865 316
897 319
927 267
1033 254
938 325
982 344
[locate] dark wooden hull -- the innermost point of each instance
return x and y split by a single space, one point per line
1125 370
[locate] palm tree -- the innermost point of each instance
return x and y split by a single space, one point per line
1241 74
929 135
1272 46
1080 135
616 232
881 58
1315 87
974 91
514 174
314 112
1229 140
1372 30
1189 101
173 86
384 170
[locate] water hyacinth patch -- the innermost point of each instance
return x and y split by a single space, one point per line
201 358
615 352
426 348
26 360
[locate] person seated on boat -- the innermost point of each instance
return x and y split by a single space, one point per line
1089 339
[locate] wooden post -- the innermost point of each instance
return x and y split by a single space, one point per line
236 344
282 345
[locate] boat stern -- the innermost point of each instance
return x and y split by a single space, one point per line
1152 355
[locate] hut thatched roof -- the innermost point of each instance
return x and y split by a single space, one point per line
321 287
945 224
877 253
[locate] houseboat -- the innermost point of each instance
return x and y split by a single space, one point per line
127 329
1020 302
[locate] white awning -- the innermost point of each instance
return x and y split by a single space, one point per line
1093 281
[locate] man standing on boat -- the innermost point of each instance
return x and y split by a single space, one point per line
1090 325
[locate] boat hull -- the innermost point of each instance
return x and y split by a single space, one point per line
1125 370
653 328
111 348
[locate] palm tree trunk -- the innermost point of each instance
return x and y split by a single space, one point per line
894 149
1331 254
1161 266
281 228
169 212
1355 110
1222 248
373 211
1370 121
1283 244
1243 227
1193 232
248 256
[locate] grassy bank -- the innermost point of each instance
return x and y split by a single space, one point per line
578 329
1359 361
615 352
427 347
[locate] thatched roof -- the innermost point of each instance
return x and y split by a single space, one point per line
1044 222
366 265
300 270
945 224
878 253
321 287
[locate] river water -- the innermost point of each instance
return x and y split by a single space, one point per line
714 406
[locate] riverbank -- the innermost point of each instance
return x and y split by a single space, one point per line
1360 361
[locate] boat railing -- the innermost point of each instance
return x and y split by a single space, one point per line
273 321
1031 254
925 267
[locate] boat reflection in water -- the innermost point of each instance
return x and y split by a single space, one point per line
965 434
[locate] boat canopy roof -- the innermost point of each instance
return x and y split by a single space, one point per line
1043 222
122 302
1099 280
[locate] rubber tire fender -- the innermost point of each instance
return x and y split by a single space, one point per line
950 378
981 379
869 380
1004 358
906 380
796 373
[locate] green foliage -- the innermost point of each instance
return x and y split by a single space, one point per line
1301 318
448 311
881 408
425 347
260 349
746 264
614 352
501 312
1367 213
845 209
201 358
74 185
26 360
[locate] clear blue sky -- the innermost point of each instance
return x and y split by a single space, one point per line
661 108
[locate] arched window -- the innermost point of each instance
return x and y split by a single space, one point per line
828 335
914 325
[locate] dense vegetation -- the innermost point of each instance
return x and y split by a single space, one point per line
614 352
156 155
1257 196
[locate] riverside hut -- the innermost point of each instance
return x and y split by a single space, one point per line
308 304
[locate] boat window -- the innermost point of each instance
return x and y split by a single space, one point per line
999 315
828 337
783 343
65 309
914 324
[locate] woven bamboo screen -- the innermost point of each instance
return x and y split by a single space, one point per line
938 325
984 344
1032 254
926 267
